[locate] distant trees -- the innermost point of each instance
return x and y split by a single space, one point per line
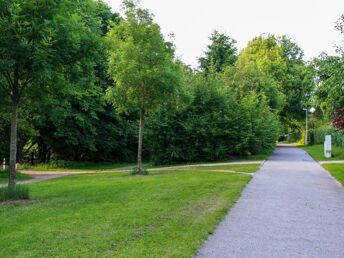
274 66
219 54
330 77
142 67
88 84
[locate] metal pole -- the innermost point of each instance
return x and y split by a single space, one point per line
306 138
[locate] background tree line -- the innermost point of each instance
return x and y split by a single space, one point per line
73 71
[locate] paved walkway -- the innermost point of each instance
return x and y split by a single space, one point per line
39 176
291 208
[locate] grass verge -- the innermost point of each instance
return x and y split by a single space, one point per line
74 166
248 168
336 170
20 177
166 214
317 152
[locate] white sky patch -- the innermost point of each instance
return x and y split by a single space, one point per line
310 23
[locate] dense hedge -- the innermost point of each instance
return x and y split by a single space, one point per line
318 135
212 126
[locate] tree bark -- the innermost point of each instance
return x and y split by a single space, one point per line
139 149
13 147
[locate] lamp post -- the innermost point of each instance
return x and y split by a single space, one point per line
306 137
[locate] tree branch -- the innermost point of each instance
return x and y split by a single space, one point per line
24 85
7 76
5 89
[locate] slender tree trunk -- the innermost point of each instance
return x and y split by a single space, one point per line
13 147
139 149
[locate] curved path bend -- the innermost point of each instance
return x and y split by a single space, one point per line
291 208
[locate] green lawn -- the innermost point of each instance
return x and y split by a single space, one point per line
337 170
20 177
249 168
166 214
317 152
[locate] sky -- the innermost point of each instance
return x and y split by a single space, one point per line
310 23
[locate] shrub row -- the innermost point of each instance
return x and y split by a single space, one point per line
318 135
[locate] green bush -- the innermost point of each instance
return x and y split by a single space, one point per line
317 136
20 193
212 126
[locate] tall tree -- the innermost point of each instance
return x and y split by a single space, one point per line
330 91
259 68
288 80
39 42
141 65
219 54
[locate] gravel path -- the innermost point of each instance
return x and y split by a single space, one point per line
291 208
37 178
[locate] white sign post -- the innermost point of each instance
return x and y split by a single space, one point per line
328 146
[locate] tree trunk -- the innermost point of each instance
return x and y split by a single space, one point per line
13 147
139 149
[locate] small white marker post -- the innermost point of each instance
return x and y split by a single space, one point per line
328 146
4 164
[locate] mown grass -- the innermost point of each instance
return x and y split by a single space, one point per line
20 193
19 177
249 168
337 170
75 166
166 214
317 152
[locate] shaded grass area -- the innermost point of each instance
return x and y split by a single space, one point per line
20 177
337 170
89 166
249 168
20 193
317 152
75 166
166 214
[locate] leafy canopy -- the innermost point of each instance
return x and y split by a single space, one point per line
220 53
140 62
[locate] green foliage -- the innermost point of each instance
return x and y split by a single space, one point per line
79 66
20 193
329 94
249 78
212 125
318 135
142 66
262 124
220 54
140 63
